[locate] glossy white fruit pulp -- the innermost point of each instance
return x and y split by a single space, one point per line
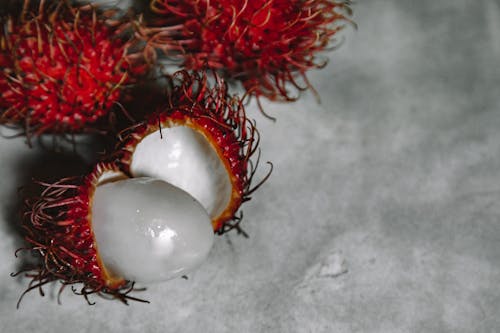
185 158
147 230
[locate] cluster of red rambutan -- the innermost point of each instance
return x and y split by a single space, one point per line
68 68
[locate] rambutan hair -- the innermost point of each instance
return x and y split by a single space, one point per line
268 45
220 117
62 68
59 233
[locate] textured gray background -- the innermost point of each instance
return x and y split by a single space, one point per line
382 214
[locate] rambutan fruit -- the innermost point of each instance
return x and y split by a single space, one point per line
199 140
62 68
176 178
268 45
104 231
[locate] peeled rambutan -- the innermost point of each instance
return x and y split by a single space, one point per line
176 178
103 231
268 45
61 68
201 141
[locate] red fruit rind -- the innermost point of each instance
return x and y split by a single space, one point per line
61 68
58 228
221 119
266 44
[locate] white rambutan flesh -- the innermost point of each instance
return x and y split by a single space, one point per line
185 158
147 230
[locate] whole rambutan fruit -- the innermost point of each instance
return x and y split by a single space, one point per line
62 68
268 45
200 140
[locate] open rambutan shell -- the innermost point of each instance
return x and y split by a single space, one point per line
199 140
62 68
57 226
105 230
268 45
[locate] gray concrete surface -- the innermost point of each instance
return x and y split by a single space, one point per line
383 211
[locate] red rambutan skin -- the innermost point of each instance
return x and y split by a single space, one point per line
266 44
221 118
61 68
58 228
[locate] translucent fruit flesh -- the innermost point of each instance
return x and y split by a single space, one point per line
148 230
185 158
